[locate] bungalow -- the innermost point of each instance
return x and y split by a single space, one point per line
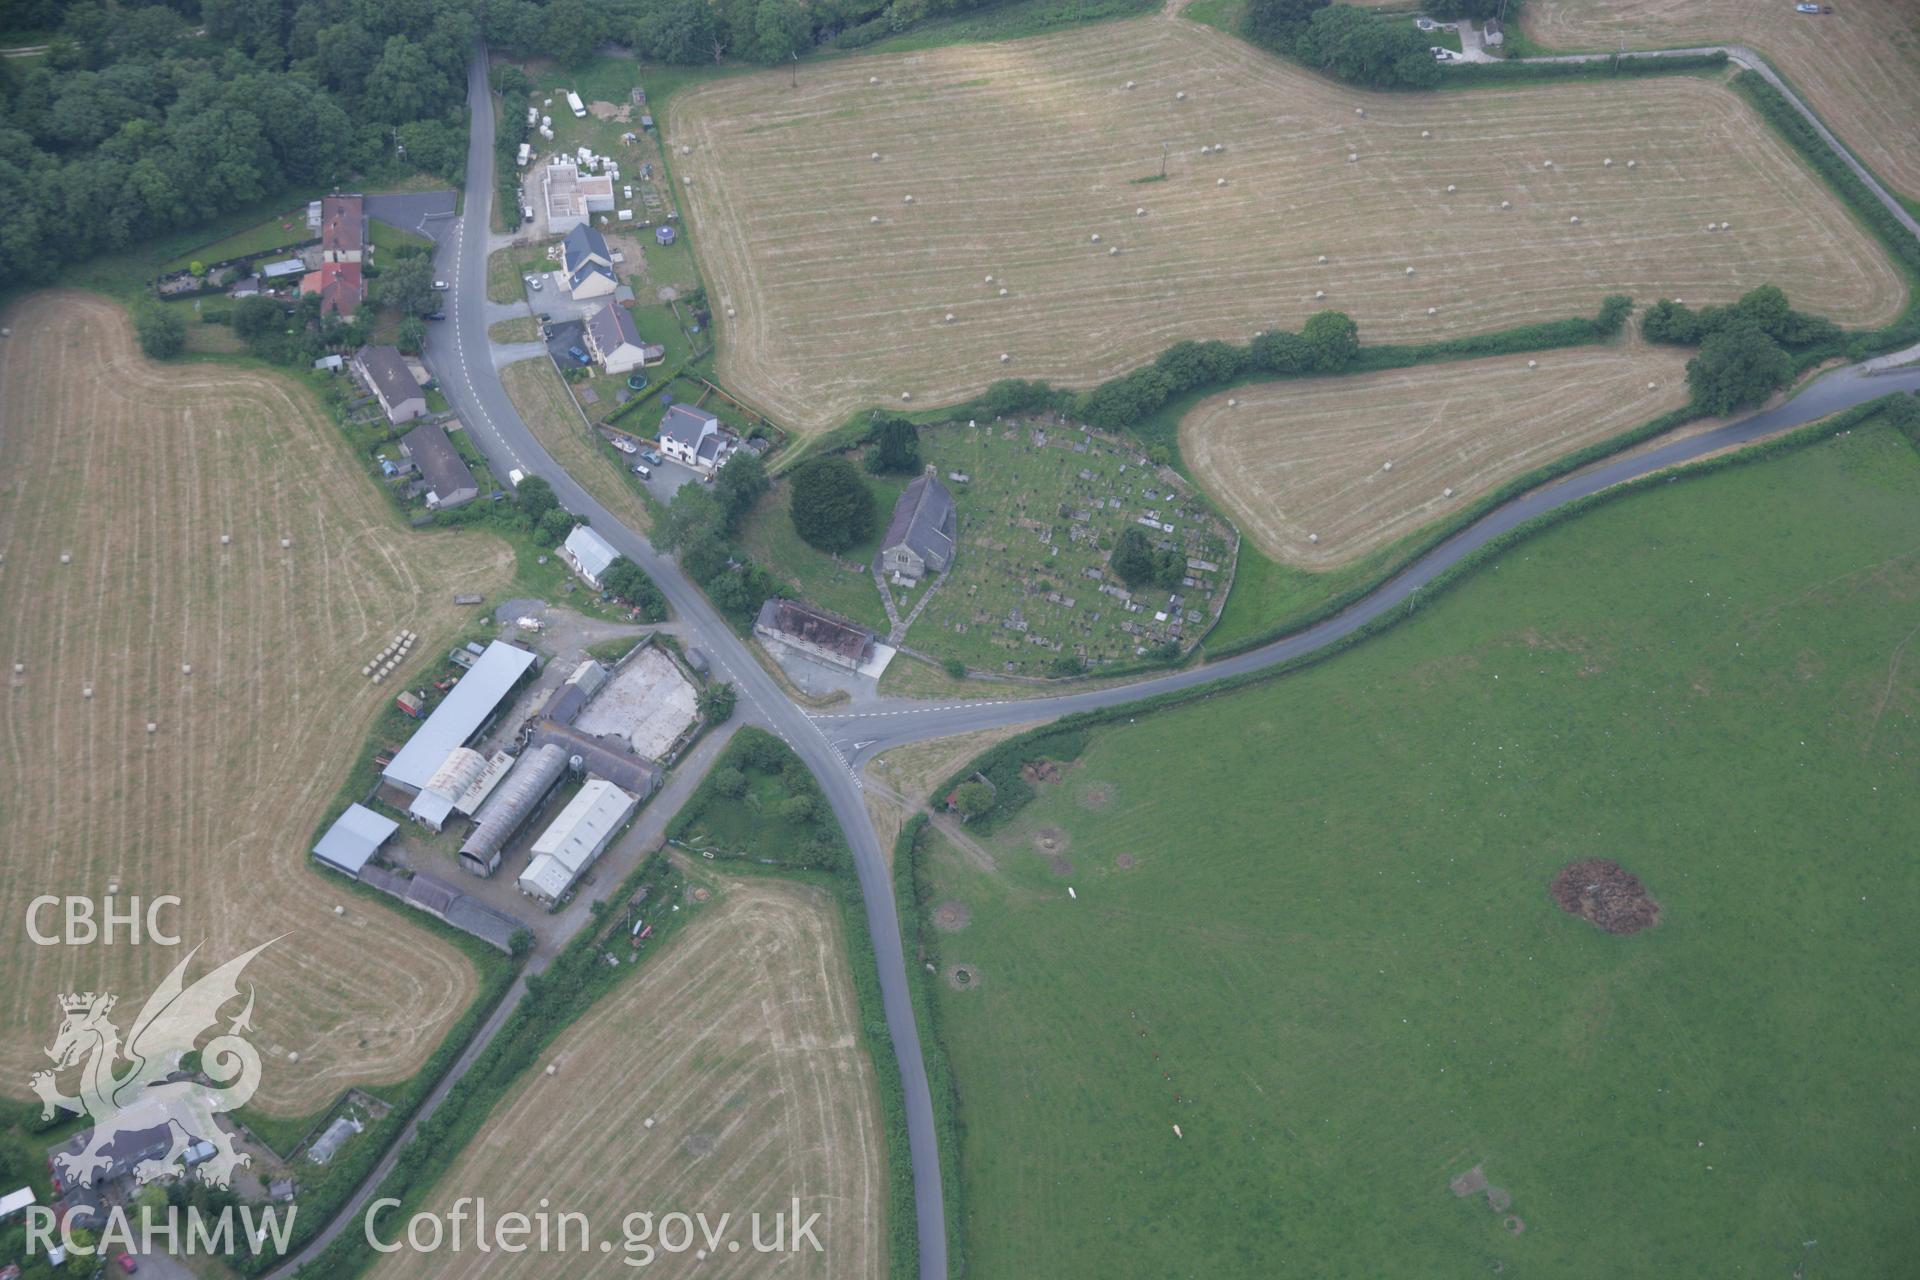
572 199
921 534
587 263
340 285
343 229
1495 35
588 554
448 481
386 374
614 340
696 439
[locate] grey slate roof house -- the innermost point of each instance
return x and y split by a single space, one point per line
921 536
695 438
385 372
615 341
449 482
587 263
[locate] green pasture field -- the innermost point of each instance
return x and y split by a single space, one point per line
1313 929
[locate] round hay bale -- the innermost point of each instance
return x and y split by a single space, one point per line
1096 237
686 181
1386 466
186 668
949 317
1653 386
729 313
1548 163
876 155
1433 311
1313 537
1451 188
1004 357
66 557
1574 220
1506 204
1426 133
1710 226
907 200
1323 259
1446 493
1181 96
1359 111
1533 364
1607 163
874 220
1129 84
1003 293
873 79
989 279
152 727
1352 156
1221 182
86 691
1633 164
1205 149
1319 294
1409 270
1726 226
906 395
285 543
226 539
1139 213
685 150
19 668
1114 251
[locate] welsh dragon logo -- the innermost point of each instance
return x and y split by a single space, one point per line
141 1099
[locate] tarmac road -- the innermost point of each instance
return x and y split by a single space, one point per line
834 745
459 354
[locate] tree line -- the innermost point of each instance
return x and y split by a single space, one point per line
136 124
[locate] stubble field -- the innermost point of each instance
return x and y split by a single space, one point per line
741 1042
1018 154
135 471
1364 460
1859 66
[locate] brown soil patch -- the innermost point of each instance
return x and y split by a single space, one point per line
1060 866
1052 840
952 917
607 111
963 977
701 895
1513 1224
1468 1183
1605 894
698 1145
1125 861
1096 795
1041 771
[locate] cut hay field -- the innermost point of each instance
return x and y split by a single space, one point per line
1310 457
1018 154
741 1041
1859 66
1313 927
136 470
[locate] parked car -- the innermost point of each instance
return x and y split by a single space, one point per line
127 1263
1806 8
642 470
1442 54
434 315
579 355
625 445
442 285
650 456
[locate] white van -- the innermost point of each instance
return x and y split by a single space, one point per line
642 470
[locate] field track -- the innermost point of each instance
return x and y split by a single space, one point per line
1305 457
137 470
741 1041
1859 66
1018 154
